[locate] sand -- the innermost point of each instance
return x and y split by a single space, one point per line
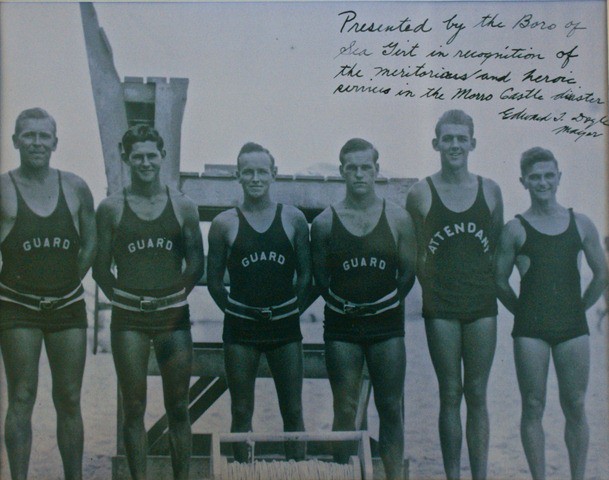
506 460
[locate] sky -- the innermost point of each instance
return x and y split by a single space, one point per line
265 72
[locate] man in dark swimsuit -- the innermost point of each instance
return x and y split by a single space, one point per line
47 235
458 217
364 264
262 244
152 234
549 314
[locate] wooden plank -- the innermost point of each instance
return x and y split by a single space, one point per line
214 192
160 427
170 100
215 390
361 415
158 441
365 457
326 436
108 97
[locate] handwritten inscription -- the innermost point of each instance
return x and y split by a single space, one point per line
404 25
530 76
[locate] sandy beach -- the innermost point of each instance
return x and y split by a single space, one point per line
506 459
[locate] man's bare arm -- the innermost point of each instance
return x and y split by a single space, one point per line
216 263
413 207
596 260
320 236
304 290
496 212
407 254
505 258
8 206
193 242
102 267
87 228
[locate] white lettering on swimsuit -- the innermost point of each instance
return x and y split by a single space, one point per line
143 244
262 257
46 242
457 229
359 262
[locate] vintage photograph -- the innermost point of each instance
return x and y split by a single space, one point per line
317 240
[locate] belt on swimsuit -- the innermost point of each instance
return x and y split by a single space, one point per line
144 303
346 307
265 314
41 302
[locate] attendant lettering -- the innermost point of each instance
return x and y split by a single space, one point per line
457 229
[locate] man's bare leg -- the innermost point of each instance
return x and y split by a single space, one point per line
21 353
173 351
386 362
479 342
532 357
572 363
345 362
444 339
286 364
241 365
67 351
130 350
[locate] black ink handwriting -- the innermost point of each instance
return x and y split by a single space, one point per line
590 121
512 94
451 23
527 22
352 49
403 26
469 94
512 114
435 93
349 71
361 89
489 21
576 131
437 53
421 71
511 54
393 49
533 76
567 55
573 27
588 97
406 93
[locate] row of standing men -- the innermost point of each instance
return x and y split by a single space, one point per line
363 253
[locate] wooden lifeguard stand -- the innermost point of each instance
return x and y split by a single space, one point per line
160 102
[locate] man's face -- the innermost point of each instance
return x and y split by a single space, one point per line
145 161
542 180
454 144
359 171
36 141
255 173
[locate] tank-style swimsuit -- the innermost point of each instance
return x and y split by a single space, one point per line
262 306
363 304
39 282
457 279
149 254
550 305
